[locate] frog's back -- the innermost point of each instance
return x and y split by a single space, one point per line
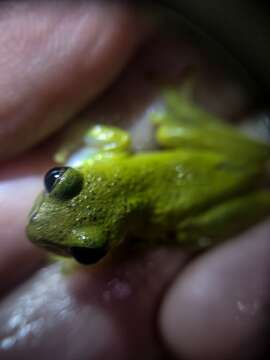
174 183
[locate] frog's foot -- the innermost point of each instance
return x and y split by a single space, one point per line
101 142
185 125
108 139
67 265
172 132
182 123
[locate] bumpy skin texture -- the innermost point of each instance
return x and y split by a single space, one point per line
193 192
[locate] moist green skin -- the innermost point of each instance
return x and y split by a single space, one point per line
202 186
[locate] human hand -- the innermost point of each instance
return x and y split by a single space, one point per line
56 60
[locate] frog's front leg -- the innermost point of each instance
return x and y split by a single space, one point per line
101 142
108 139
66 265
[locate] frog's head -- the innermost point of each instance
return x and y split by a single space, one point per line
69 217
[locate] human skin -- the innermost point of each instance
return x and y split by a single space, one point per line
212 307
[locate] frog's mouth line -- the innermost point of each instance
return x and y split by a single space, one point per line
85 256
55 249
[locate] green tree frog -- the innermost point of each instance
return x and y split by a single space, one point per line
205 182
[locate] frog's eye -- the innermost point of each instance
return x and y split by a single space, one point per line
63 182
88 256
53 176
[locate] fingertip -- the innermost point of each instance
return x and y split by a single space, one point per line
217 308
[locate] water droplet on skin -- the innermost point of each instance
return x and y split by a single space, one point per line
117 290
180 172
249 309
181 176
8 343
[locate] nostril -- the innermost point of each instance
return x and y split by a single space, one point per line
33 215
34 211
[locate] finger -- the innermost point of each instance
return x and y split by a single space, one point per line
18 258
20 181
107 313
219 307
55 58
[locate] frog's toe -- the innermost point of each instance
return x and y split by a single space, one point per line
108 138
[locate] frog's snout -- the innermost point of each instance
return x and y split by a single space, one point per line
35 209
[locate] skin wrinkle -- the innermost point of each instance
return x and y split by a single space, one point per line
16 40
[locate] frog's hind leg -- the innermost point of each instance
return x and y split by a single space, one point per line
183 124
224 221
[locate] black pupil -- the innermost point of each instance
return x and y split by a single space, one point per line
87 256
53 176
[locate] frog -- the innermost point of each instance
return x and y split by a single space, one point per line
204 182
